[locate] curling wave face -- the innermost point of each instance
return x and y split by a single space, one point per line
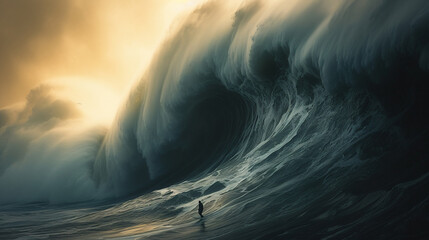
297 116
214 79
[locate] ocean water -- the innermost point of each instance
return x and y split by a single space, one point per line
288 120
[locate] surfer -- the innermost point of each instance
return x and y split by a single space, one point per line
200 208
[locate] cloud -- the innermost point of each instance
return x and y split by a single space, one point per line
108 41
46 150
24 26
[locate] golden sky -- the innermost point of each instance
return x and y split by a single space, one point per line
91 51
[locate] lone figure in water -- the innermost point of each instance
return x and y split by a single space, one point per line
200 208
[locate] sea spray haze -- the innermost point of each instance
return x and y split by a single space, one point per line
287 119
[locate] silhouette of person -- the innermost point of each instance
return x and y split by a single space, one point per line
200 208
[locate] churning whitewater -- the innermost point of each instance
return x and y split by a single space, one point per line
288 119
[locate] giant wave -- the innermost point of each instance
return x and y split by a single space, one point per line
286 116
